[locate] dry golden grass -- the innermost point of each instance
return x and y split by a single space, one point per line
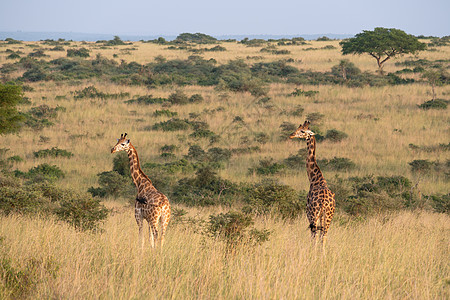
398 256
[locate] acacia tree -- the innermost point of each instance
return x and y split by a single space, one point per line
434 78
382 44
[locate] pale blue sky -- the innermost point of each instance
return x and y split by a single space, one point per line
228 17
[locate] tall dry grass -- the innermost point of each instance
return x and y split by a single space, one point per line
397 256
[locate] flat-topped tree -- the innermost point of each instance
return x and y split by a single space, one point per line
382 44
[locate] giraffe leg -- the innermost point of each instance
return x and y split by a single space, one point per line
153 232
140 223
165 217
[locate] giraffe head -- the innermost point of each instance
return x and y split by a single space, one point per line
302 132
123 144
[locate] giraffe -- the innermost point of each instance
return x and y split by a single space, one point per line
150 204
320 204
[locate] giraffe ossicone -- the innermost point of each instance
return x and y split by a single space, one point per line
150 204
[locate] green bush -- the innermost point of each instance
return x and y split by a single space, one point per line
262 138
173 124
267 167
15 158
334 135
121 164
53 152
421 166
38 53
297 111
164 112
91 92
199 38
44 172
362 196
148 99
168 148
10 118
202 133
297 161
111 184
229 226
82 212
440 203
196 98
179 98
13 56
286 129
271 197
315 117
434 104
337 164
217 154
300 92
20 200
205 189
35 74
82 52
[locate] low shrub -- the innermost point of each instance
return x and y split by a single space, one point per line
362 196
337 164
297 111
440 203
42 172
82 211
82 52
421 165
77 209
335 136
19 200
434 104
267 167
53 152
300 92
178 98
196 98
235 229
112 184
164 112
169 148
315 117
13 56
173 124
286 129
262 137
38 53
91 92
205 189
15 158
148 99
269 196
121 164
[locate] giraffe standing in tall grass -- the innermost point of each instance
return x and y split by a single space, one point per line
320 204
150 204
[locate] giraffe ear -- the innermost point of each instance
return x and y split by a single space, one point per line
128 141
309 132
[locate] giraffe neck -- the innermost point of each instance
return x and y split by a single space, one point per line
314 174
137 174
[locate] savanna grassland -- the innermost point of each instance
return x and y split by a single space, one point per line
386 159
